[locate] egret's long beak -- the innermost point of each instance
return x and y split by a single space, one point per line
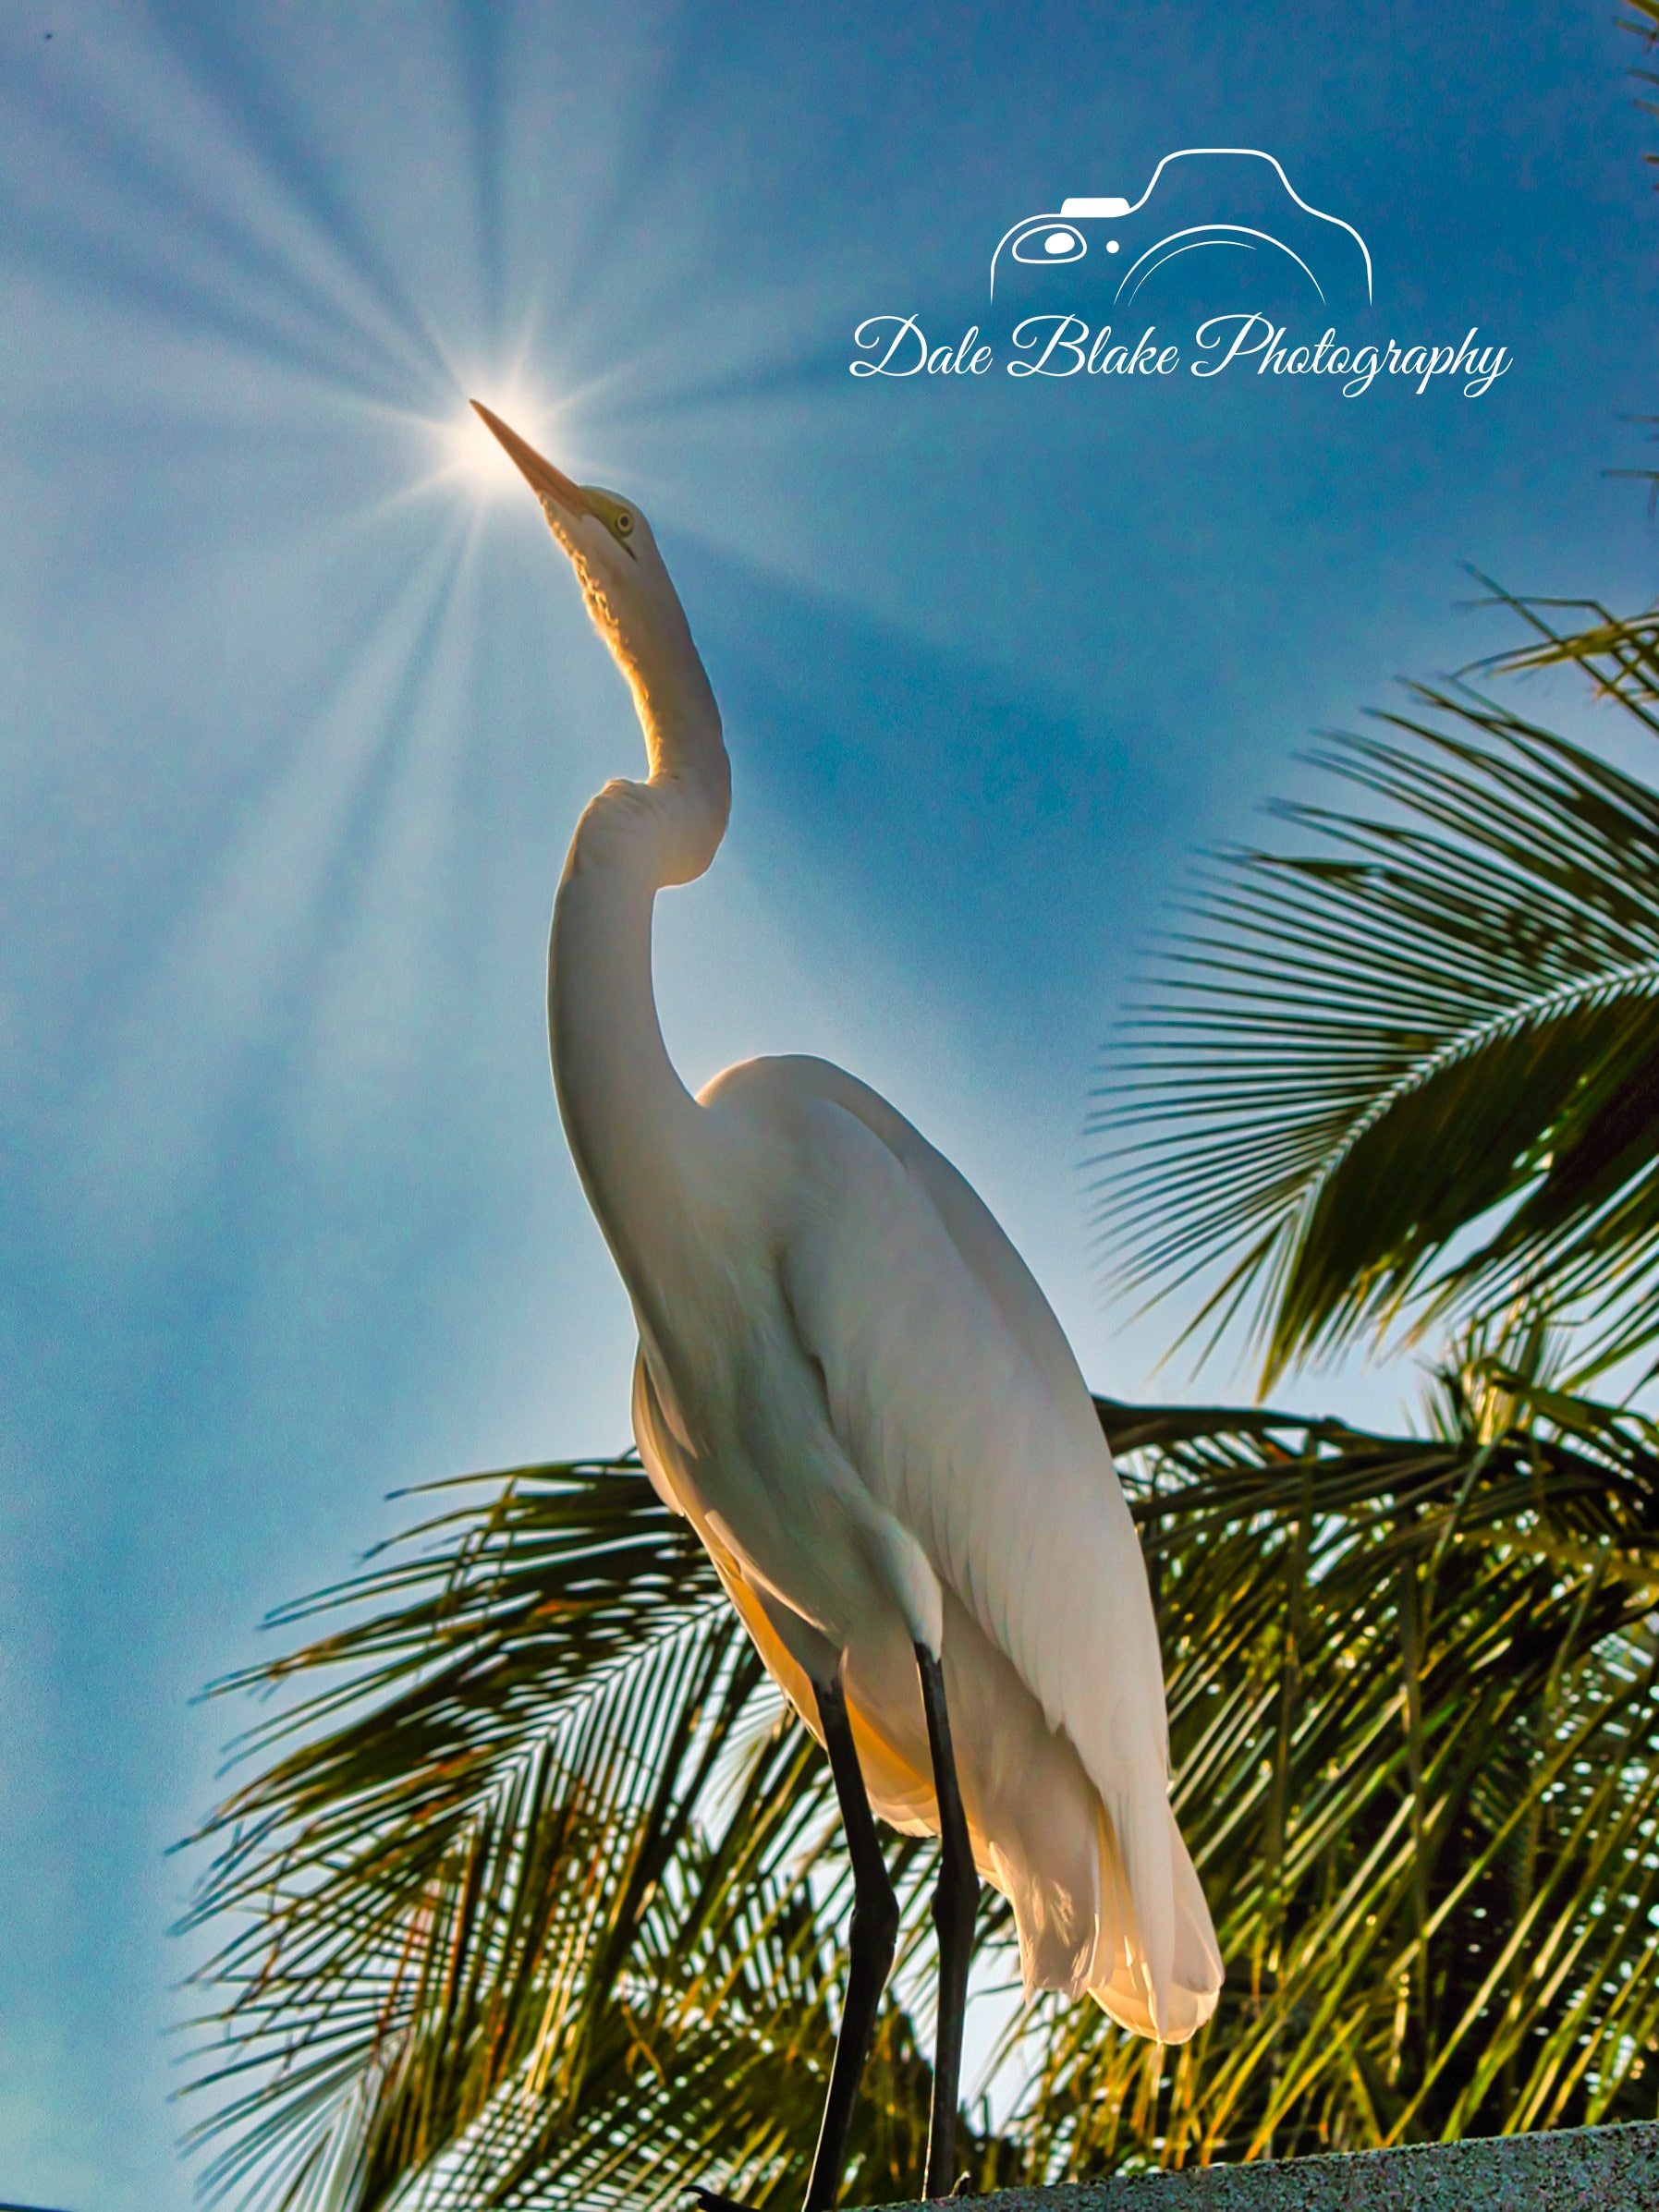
543 478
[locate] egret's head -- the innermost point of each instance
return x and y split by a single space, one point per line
637 612
611 548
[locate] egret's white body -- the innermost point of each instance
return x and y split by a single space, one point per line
879 1430
850 1383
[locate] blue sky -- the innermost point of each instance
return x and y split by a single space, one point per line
299 711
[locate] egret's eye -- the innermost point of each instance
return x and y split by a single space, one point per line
625 523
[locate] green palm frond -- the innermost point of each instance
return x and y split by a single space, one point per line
1412 1688
1361 1057
534 1899
1619 654
538 1899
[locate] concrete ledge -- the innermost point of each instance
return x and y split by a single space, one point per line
1568 2169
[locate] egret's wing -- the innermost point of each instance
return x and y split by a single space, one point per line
952 1392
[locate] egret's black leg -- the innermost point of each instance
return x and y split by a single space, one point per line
874 1927
954 1902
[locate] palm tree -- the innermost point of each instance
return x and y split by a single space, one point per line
535 1898
1414 1072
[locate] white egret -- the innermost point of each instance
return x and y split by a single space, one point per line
852 1385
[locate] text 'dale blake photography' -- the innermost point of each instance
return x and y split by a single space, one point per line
830 1249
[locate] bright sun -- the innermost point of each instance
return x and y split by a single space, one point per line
470 451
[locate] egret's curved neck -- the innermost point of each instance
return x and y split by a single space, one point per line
636 1133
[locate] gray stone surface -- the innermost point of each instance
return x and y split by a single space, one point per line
1570 2170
